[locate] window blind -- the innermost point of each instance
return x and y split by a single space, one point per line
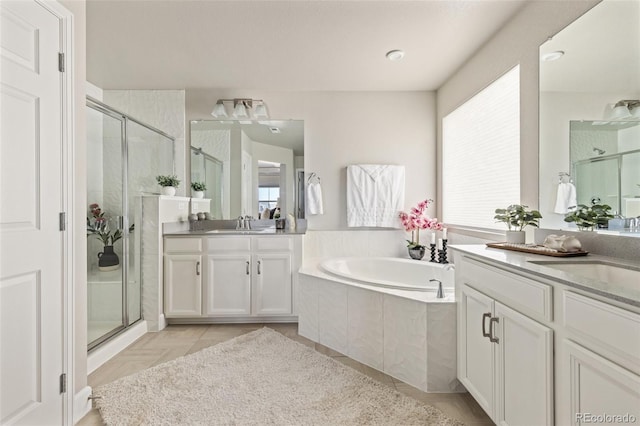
481 155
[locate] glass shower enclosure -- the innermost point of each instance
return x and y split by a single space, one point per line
124 156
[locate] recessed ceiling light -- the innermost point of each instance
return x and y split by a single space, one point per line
395 55
552 56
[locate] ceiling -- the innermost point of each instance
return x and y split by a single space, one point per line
285 45
602 52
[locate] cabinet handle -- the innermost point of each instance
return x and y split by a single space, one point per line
198 268
259 272
484 317
248 270
491 338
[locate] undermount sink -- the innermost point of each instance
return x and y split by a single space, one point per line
598 270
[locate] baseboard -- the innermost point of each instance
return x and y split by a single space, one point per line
162 322
232 320
81 404
108 350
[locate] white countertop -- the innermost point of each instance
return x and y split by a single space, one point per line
628 292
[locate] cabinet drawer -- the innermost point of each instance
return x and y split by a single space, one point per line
226 244
614 329
272 244
182 245
526 295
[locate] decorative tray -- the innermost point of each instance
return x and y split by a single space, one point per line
536 249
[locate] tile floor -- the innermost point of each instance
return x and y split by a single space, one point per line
177 340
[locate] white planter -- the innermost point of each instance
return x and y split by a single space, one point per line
169 190
516 237
198 194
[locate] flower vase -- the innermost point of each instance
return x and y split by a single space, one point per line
108 260
417 253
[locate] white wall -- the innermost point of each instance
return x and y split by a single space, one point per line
343 128
162 109
516 43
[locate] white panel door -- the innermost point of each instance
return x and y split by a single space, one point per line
272 288
182 285
524 369
475 350
228 285
31 244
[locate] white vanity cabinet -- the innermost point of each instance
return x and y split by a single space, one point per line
183 277
505 358
535 350
239 278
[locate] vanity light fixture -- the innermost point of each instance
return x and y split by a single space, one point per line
242 108
623 109
395 55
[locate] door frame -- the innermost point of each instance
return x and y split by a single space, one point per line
68 187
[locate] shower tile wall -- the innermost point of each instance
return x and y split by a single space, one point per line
162 109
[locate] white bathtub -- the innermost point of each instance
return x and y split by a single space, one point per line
391 272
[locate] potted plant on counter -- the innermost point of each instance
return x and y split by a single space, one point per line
588 217
413 222
198 189
169 183
517 217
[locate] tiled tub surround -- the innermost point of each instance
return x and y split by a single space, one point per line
409 335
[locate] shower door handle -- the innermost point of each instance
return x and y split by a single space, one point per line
121 222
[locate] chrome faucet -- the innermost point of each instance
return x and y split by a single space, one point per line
440 293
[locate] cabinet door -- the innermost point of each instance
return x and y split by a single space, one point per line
598 387
524 369
228 285
475 351
182 285
272 288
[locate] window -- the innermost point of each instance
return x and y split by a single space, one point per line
481 155
268 198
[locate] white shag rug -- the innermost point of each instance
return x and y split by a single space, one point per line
260 378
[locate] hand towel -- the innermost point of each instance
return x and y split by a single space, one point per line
566 198
314 199
375 195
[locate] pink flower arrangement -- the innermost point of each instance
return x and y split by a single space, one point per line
416 220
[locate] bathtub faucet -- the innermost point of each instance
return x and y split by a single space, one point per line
440 294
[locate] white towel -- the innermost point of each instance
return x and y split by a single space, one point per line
314 198
566 198
375 195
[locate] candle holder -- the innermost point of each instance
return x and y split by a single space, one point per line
433 252
442 254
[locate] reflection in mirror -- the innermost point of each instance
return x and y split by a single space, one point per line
207 169
256 169
605 159
589 81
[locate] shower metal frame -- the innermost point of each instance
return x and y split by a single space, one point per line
123 221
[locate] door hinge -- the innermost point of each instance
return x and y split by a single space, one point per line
63 221
61 62
63 383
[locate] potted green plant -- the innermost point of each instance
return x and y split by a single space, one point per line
517 217
198 189
169 183
588 217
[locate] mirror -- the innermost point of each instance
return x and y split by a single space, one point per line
585 70
250 168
